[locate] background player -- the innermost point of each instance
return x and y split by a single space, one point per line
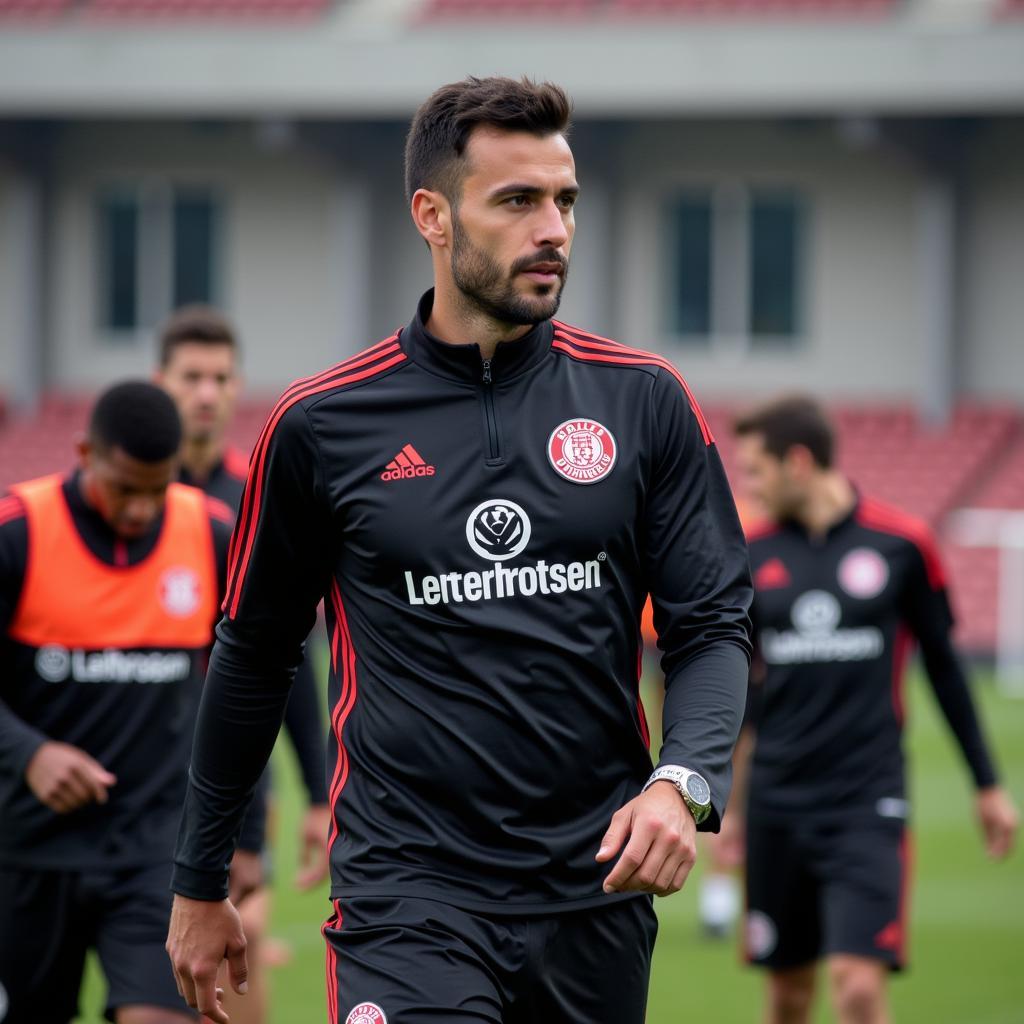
110 582
843 586
498 830
199 367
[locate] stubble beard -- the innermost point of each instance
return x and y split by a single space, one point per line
486 286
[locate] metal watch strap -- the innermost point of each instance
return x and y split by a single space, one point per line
677 774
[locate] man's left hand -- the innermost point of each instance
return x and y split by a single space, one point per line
246 875
315 865
660 839
999 820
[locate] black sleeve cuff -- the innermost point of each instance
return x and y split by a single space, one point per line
199 885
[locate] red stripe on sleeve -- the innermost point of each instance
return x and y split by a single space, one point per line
877 516
622 355
282 405
245 533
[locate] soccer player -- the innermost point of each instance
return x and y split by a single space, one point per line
199 369
843 585
486 498
110 583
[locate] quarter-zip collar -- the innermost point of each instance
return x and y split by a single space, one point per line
464 362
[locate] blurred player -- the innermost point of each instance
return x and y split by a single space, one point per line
844 585
199 368
498 830
110 581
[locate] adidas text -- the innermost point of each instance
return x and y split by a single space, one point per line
407 472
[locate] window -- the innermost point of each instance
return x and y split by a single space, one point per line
691 243
735 265
158 249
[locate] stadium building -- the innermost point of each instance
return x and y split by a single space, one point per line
823 194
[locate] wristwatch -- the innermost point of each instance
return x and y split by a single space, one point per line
693 787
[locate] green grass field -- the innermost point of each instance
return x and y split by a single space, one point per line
967 914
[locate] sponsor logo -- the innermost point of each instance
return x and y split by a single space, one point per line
179 592
406 465
498 530
863 573
57 664
366 1013
762 935
892 807
582 451
773 575
817 636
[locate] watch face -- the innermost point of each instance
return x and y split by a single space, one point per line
700 792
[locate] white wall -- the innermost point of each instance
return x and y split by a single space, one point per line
9 298
862 324
277 261
993 337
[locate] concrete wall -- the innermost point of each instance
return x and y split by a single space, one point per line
862 327
277 269
992 341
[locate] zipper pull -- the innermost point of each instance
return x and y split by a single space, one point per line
487 372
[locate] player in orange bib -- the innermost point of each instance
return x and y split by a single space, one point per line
110 580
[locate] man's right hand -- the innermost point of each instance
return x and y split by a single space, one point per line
65 778
202 933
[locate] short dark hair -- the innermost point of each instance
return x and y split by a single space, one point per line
435 147
195 324
139 418
788 421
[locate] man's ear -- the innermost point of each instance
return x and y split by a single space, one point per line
432 215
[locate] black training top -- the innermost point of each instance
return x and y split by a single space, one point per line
131 705
835 621
226 482
486 533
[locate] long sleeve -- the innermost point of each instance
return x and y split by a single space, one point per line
927 611
699 580
280 568
18 739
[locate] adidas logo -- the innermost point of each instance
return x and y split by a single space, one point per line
407 464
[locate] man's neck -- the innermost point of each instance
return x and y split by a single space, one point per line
455 321
830 500
200 458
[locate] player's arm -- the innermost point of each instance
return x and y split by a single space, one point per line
927 611
696 569
281 554
247 865
60 775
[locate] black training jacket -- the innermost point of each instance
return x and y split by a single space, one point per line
836 619
485 534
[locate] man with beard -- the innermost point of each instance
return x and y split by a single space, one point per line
199 357
486 500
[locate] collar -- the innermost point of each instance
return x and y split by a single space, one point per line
839 525
463 362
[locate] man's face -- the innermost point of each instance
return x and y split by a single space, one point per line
129 494
512 228
776 486
203 381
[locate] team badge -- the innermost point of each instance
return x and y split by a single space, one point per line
366 1013
762 935
179 592
582 451
863 573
